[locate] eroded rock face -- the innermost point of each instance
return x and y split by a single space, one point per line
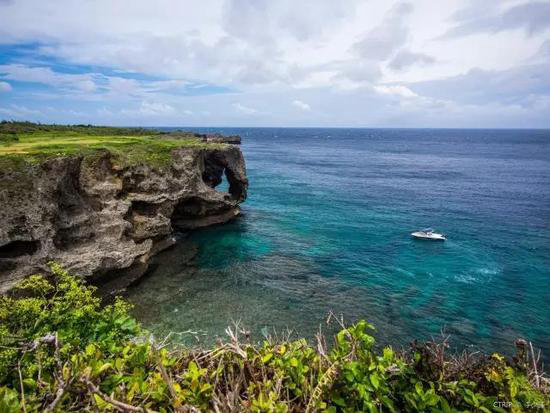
102 220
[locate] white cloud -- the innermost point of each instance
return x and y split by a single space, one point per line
355 62
517 86
244 109
531 16
395 90
301 105
5 87
90 85
156 108
45 75
382 41
405 58
21 112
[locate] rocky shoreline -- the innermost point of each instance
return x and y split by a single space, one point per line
105 220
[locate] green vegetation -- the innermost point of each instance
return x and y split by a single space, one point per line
30 127
61 351
27 143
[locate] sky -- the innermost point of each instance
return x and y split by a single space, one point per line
307 63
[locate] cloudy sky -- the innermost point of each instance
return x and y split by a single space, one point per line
373 63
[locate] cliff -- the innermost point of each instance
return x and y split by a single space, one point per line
103 218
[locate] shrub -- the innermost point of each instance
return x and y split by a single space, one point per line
8 138
61 351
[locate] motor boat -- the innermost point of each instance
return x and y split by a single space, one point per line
428 234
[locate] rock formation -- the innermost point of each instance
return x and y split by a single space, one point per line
218 138
103 219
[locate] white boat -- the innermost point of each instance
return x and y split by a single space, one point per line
428 234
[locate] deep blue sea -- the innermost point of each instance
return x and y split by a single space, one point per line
327 224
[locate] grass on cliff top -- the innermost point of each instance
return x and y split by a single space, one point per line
27 143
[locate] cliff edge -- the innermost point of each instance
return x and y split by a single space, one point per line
104 218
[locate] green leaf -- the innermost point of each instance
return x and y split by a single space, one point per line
372 407
374 380
9 400
102 404
349 376
445 405
388 403
104 367
29 383
339 401
267 357
388 354
90 350
192 367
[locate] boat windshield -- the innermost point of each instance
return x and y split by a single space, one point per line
427 230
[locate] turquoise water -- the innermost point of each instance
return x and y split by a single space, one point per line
326 228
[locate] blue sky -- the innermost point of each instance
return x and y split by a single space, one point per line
359 63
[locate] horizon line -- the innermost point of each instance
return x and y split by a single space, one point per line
347 127
286 127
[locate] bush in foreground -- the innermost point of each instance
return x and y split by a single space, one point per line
61 351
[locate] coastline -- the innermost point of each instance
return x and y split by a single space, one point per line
269 267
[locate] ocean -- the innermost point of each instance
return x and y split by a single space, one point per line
326 228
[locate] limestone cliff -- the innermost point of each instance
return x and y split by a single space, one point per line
103 219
